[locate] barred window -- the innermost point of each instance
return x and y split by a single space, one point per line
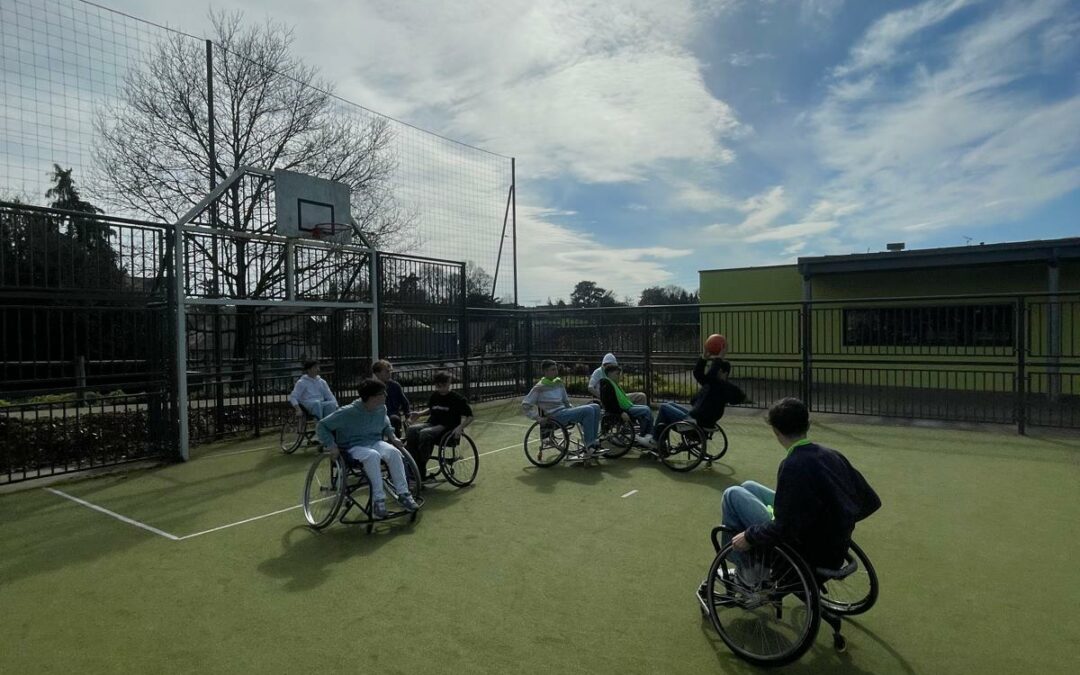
942 326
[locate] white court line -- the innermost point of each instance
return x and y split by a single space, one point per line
239 522
505 424
236 452
107 512
632 492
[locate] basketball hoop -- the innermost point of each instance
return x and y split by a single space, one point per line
323 231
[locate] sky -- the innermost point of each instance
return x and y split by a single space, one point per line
656 139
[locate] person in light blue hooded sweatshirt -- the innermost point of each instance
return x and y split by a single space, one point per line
548 398
636 397
363 430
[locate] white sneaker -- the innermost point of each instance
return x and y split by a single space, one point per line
647 440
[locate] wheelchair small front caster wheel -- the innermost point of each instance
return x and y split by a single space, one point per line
839 643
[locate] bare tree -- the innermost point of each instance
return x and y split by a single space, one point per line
270 111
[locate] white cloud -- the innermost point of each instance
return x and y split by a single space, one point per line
746 58
761 210
886 36
792 231
553 257
954 143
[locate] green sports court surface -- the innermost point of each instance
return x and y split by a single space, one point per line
562 570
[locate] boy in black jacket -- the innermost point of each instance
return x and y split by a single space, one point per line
447 411
716 393
818 499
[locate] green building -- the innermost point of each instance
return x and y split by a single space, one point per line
999 318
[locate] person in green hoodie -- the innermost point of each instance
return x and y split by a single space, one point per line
615 399
363 429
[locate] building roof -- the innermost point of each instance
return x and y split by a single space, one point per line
1038 251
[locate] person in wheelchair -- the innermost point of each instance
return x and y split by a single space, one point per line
818 499
363 429
397 403
312 394
709 403
617 402
548 398
636 397
447 411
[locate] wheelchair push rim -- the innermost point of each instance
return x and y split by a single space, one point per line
546 443
619 435
682 446
769 614
293 433
324 490
717 447
857 592
458 462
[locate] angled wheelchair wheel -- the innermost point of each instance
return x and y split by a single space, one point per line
618 435
856 591
764 604
458 459
682 446
293 433
546 443
324 490
717 445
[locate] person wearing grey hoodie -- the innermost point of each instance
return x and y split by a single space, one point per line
548 398
636 397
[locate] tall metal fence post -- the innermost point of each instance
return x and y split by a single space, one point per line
646 345
463 335
807 353
529 378
376 307
1020 382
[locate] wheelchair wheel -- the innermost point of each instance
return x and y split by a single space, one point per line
292 434
855 593
619 435
324 490
718 445
458 459
546 443
767 612
682 446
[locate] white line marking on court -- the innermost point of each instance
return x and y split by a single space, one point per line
239 522
505 424
515 445
107 512
237 452
632 492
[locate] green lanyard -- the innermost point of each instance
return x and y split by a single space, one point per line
805 441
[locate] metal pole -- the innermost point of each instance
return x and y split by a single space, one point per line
1053 282
1020 386
513 222
646 343
807 342
376 314
463 333
181 342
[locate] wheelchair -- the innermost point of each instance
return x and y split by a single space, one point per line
296 431
683 445
336 481
555 441
770 610
458 460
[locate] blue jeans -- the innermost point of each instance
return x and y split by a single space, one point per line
669 414
743 506
588 416
643 416
319 409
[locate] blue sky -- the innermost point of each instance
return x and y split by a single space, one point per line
654 139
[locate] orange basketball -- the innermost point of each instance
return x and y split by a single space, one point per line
716 344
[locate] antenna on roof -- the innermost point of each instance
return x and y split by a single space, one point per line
967 240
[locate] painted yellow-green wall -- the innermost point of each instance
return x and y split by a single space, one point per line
760 334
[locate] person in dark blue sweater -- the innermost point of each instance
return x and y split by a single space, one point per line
397 403
818 499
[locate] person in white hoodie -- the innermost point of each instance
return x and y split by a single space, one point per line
548 399
636 397
312 394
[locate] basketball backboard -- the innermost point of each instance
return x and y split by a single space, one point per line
304 202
